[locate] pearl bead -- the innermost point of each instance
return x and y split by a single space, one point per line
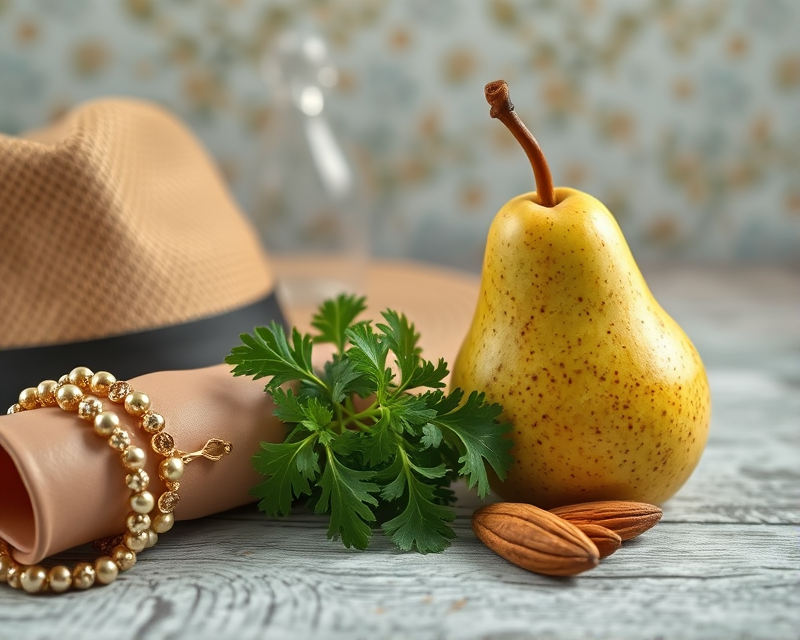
142 502
5 564
138 522
119 390
152 422
46 392
163 522
106 570
59 578
100 383
137 403
136 541
133 457
138 480
105 422
171 469
12 576
83 575
119 439
152 539
81 377
69 397
123 557
14 408
89 407
28 399
33 579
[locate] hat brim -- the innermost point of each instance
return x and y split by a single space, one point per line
440 302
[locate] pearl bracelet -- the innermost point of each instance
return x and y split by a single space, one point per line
142 531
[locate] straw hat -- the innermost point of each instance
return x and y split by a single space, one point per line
120 246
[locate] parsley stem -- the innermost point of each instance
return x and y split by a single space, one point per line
349 417
321 383
360 425
401 450
373 411
339 420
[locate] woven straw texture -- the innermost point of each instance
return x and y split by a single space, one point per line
114 220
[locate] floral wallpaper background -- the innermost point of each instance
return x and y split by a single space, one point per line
682 116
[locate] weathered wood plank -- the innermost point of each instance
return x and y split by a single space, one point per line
279 578
750 471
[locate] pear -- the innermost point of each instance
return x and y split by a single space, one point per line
607 397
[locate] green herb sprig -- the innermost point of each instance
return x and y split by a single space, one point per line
363 448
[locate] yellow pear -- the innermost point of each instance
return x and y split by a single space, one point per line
607 396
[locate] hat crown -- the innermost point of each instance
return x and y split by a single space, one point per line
115 220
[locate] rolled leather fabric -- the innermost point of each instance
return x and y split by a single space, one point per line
61 485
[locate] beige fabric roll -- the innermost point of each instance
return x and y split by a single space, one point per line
61 485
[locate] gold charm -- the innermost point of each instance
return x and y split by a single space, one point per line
168 501
214 449
105 545
163 443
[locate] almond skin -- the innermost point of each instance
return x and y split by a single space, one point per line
534 539
606 541
627 519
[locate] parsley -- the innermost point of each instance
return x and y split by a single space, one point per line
360 446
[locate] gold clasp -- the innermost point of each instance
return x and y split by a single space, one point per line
214 449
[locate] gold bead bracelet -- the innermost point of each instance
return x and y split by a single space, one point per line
142 531
68 394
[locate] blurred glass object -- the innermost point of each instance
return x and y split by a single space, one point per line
310 207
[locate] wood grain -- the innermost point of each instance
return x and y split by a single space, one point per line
723 563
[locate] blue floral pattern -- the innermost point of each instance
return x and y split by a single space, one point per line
683 116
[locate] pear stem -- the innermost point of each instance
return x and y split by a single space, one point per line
497 96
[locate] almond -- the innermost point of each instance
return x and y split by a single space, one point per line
534 539
606 541
627 519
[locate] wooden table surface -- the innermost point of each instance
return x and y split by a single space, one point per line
723 563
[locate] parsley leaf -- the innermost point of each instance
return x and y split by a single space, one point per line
346 495
268 353
423 524
289 467
382 441
401 337
316 415
478 435
431 436
365 450
287 406
335 316
410 413
368 355
345 379
428 375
